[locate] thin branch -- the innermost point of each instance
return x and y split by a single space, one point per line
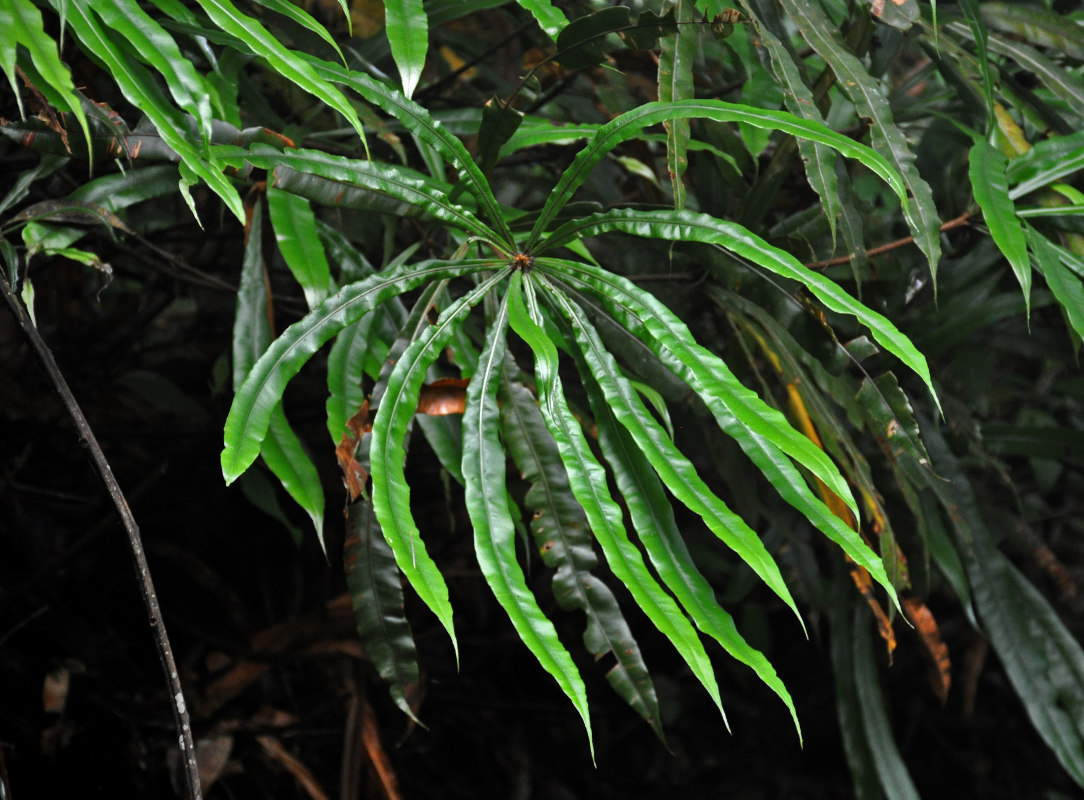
135 544
963 219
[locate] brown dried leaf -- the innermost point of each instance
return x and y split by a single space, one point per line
934 647
443 397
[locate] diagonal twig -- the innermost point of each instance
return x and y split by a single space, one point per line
135 544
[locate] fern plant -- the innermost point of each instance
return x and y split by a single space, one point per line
577 396
531 290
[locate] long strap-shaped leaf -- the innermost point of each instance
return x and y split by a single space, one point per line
986 169
612 397
418 121
262 390
281 449
140 87
376 594
871 101
407 28
391 493
494 534
291 65
588 481
690 226
158 49
561 533
734 406
628 125
757 428
677 472
339 174
22 25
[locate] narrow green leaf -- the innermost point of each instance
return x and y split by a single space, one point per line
1066 287
1062 83
560 530
629 436
262 390
139 86
285 456
282 451
287 63
552 20
1046 162
157 48
629 124
588 481
418 121
687 226
359 349
676 83
676 471
407 27
376 595
295 231
870 100
391 494
986 168
305 20
339 181
22 24
494 534
1036 25
819 160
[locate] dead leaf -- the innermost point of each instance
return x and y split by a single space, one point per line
443 397
934 647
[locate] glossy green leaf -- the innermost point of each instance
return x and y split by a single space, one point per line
676 471
494 534
560 530
391 494
157 48
871 101
986 168
420 122
629 124
281 449
687 226
338 181
305 20
636 448
262 390
585 41
22 24
287 63
295 231
407 27
1066 287
588 481
376 595
359 349
140 87
551 19
1046 162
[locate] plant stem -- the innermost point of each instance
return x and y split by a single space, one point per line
135 543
